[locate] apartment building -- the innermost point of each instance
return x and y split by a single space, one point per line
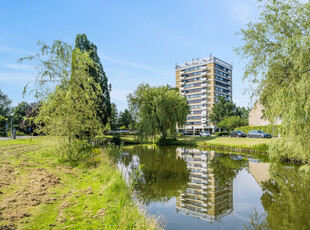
201 81
204 197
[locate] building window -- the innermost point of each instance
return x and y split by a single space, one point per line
192 69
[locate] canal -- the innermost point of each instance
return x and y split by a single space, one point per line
190 188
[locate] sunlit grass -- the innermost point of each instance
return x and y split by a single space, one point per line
90 196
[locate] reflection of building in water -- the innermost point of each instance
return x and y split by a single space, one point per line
260 172
204 197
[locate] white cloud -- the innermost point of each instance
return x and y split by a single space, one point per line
7 49
137 66
18 66
16 77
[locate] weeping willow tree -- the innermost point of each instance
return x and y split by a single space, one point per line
68 93
158 110
277 50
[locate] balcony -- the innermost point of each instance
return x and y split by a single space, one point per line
182 78
203 90
204 73
204 85
204 96
204 67
182 89
182 72
204 78
182 82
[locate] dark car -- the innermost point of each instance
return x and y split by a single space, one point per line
237 133
258 134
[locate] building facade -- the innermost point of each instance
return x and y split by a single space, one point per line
256 116
201 81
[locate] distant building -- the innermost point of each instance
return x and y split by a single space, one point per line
256 116
201 81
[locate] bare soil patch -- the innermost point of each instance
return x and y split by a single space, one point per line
33 187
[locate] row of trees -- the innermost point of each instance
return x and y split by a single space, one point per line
121 120
22 115
226 115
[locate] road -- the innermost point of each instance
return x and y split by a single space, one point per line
17 137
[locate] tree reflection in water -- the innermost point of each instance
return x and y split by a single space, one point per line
286 200
163 175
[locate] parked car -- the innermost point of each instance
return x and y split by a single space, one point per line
205 134
258 134
237 133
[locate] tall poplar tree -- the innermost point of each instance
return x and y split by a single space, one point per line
99 76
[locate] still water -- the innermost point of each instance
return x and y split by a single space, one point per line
198 189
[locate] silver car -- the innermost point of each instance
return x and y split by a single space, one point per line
205 134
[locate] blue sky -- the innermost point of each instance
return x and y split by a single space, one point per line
138 41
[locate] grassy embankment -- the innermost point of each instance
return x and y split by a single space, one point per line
38 192
248 145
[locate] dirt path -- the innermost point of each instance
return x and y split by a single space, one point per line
33 184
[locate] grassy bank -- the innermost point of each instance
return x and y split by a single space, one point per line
248 145
37 192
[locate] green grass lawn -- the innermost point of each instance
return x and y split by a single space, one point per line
232 141
38 192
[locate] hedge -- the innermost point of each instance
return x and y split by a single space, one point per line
221 134
266 129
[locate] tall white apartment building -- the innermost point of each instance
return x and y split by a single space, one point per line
201 81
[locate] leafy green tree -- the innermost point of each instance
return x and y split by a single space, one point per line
2 126
158 110
71 109
114 117
222 108
19 112
232 122
125 118
276 47
243 112
5 105
32 112
99 76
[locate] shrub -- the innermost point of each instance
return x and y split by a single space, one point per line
221 134
165 141
116 139
74 152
